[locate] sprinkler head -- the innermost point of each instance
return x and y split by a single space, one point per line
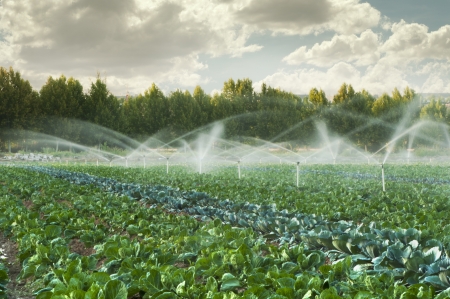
298 163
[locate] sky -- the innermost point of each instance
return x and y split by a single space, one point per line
295 45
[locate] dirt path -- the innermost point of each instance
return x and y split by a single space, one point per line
15 290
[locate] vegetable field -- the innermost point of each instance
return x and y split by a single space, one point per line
116 233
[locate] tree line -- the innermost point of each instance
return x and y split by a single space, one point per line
61 108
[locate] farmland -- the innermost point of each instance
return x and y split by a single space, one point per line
114 232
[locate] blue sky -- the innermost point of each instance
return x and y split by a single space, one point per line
292 44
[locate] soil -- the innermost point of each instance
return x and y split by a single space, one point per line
14 289
76 246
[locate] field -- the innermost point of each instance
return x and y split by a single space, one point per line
113 232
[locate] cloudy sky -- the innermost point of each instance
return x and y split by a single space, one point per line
291 44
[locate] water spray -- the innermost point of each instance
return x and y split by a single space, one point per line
239 169
382 177
298 166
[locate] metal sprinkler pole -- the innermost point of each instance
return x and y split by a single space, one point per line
167 165
97 162
239 169
382 177
144 162
298 166
126 162
200 163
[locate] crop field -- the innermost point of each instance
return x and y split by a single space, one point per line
79 231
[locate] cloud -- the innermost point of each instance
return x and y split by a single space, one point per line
412 42
362 50
302 80
436 84
376 79
125 39
309 16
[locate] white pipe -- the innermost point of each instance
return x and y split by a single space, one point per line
298 165
97 162
167 165
382 177
144 162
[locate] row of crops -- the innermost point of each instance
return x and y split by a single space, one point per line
148 234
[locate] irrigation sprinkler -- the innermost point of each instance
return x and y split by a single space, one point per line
67 162
298 166
334 161
97 162
126 162
110 162
167 165
85 161
200 166
144 162
382 177
239 169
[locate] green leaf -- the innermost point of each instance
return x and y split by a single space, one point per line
101 278
151 283
363 295
167 295
92 292
211 284
229 282
115 289
52 231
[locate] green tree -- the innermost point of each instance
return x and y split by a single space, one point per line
18 109
344 93
183 112
61 103
204 103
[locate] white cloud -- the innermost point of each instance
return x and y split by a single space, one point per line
309 16
436 84
129 40
376 79
413 42
362 50
302 80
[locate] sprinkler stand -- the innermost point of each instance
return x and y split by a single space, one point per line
126 162
239 169
144 162
97 162
298 166
167 165
382 177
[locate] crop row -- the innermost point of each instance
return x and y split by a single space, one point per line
132 250
402 253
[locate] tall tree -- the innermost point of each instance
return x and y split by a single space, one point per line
18 109
61 102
